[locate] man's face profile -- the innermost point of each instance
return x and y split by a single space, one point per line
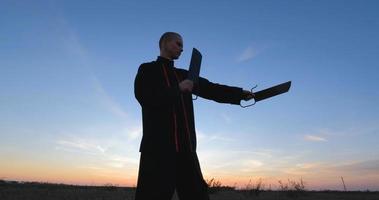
173 47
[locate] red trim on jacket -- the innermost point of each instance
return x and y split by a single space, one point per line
185 115
173 112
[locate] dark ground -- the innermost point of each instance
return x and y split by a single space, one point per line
44 191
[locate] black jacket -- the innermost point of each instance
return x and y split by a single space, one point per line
167 114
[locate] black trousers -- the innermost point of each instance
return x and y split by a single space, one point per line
161 173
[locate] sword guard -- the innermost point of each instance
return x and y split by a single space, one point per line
253 98
254 88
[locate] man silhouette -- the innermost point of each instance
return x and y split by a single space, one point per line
168 159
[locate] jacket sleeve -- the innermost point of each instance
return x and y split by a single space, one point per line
149 93
217 92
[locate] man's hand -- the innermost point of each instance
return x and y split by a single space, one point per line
186 86
247 95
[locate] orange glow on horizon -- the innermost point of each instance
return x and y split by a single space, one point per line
68 174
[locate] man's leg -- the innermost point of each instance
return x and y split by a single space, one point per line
190 182
156 177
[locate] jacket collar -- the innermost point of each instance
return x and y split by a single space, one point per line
165 61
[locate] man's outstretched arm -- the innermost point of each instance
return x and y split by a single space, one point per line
221 93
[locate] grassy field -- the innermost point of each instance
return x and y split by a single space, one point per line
44 191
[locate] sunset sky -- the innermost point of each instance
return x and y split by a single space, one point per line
68 112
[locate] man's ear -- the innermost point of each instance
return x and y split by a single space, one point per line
164 45
162 49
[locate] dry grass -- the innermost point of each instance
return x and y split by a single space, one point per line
253 190
293 188
215 186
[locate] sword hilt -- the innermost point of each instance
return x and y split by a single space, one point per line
252 98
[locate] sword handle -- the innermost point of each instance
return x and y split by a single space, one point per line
253 98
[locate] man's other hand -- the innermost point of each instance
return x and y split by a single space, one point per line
186 86
247 95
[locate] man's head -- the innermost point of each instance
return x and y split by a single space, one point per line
171 45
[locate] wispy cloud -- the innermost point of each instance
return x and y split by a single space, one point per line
218 162
248 54
203 137
350 131
359 167
226 118
133 133
70 41
353 168
300 169
82 146
73 45
314 138
113 106
123 159
106 156
253 163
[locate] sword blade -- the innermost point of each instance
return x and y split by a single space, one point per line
272 91
194 69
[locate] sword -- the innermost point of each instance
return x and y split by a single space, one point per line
269 92
194 69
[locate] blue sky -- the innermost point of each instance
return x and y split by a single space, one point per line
68 67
